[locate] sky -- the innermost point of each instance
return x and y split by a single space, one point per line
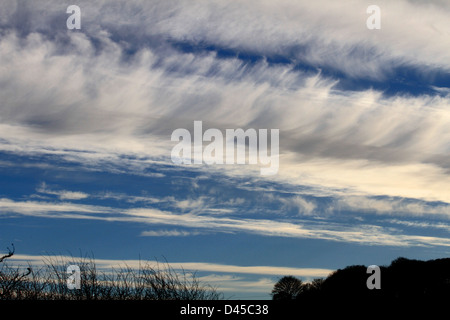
86 118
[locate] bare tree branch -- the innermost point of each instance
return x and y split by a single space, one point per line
10 253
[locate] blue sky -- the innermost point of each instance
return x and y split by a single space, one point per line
86 118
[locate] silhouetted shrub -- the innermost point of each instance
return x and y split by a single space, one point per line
148 282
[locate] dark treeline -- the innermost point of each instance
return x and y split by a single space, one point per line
403 280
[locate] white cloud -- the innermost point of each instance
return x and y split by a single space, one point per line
51 209
303 206
131 198
394 207
422 224
62 194
168 233
362 234
189 266
355 141
352 143
324 31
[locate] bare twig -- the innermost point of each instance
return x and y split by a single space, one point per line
10 253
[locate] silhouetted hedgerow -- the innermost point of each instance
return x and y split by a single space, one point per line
148 282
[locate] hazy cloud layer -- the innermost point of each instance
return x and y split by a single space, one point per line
365 234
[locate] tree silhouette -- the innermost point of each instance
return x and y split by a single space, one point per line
311 289
287 288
